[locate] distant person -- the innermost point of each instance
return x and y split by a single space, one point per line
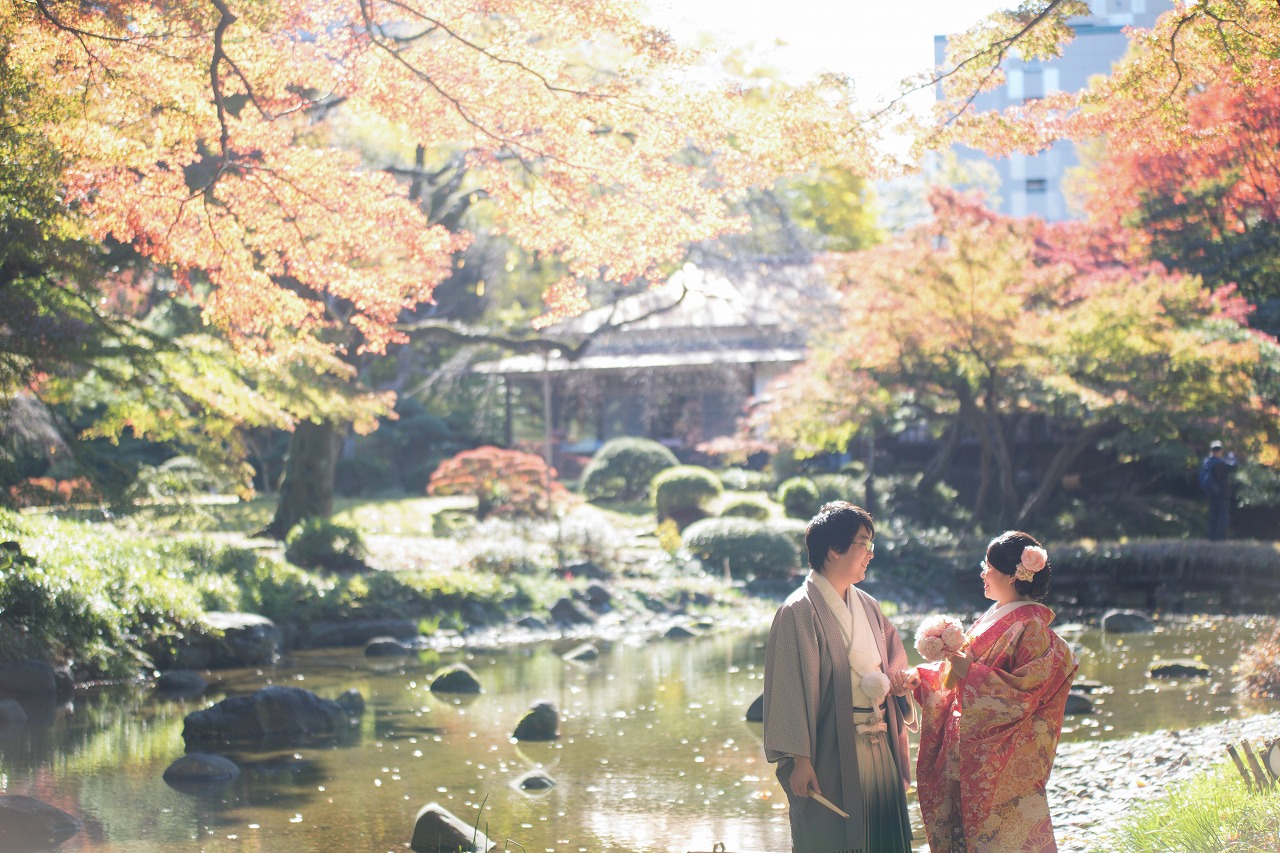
830 662
991 714
1215 481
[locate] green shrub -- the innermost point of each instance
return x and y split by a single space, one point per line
682 492
508 555
623 468
939 505
745 480
751 548
178 478
838 487
317 543
794 529
668 534
799 497
107 604
747 506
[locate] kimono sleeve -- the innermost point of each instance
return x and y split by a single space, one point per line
1008 685
791 684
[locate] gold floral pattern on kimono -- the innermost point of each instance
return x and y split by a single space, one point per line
987 746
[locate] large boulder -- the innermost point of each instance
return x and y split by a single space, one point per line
437 830
181 683
12 714
28 678
1179 668
272 712
357 632
197 772
30 825
599 597
541 722
1127 622
233 640
755 712
456 678
566 611
386 647
531 623
1078 703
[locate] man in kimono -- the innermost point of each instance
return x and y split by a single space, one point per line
829 662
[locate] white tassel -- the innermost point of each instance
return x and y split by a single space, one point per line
876 685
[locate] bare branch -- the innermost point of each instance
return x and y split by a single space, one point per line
551 87
453 332
80 34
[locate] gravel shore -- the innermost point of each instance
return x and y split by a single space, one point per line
1095 783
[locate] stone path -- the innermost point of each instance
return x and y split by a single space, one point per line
1095 783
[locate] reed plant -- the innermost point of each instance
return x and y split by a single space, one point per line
1212 813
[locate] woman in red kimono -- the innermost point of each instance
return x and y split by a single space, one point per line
992 714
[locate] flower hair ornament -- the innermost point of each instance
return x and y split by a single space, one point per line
1034 558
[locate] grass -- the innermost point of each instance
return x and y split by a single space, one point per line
114 595
1213 813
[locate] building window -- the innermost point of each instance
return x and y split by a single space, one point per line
1032 85
1037 186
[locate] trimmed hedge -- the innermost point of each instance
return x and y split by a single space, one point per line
623 468
799 497
683 492
747 506
745 480
752 548
839 487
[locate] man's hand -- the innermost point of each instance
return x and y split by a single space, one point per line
904 681
803 780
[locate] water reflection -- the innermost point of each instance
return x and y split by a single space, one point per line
654 753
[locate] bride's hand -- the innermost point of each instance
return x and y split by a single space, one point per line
960 663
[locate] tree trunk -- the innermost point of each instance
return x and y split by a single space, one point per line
1062 460
999 444
984 480
307 490
941 461
871 500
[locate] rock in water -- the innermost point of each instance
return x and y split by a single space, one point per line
541 722
437 830
29 825
457 678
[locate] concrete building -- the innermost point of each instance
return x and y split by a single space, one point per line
1032 185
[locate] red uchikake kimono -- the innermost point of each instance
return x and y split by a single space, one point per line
987 746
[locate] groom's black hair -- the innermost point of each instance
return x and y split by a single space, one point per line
833 529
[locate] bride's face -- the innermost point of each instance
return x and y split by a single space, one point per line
996 585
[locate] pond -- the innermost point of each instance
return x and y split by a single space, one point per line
654 753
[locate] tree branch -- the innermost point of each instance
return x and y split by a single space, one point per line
453 332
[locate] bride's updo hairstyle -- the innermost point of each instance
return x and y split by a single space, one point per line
1005 553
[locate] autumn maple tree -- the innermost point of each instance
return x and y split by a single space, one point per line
1186 124
980 326
503 482
1209 204
208 138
